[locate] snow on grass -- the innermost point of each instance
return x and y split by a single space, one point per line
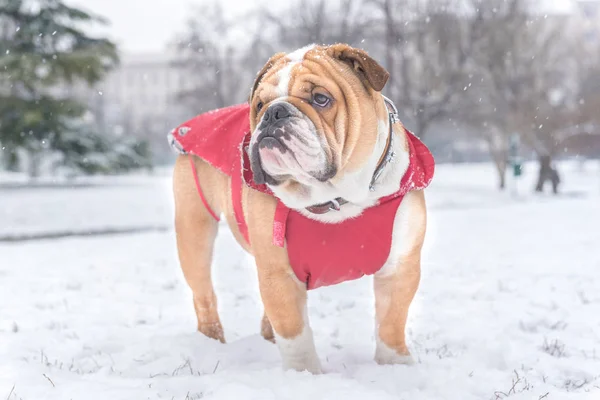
509 305
84 204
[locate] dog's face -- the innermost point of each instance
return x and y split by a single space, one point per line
317 122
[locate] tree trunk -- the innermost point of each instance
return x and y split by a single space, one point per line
11 160
547 173
499 155
34 164
501 169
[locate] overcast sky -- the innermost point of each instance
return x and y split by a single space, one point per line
145 26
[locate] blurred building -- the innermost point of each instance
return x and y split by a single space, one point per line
138 98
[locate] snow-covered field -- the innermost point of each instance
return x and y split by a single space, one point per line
509 305
83 205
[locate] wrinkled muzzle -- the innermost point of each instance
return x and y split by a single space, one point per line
286 145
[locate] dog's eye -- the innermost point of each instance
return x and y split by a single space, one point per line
321 100
259 106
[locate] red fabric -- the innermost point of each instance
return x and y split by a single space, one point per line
218 137
326 254
320 254
335 253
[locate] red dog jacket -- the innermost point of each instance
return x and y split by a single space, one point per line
320 254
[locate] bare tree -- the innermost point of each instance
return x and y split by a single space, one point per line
301 23
515 75
495 27
427 47
319 21
221 55
211 61
525 81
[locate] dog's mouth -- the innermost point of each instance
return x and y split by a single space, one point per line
267 156
275 160
272 143
286 147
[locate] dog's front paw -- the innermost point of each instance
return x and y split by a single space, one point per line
213 330
306 362
299 353
394 359
385 355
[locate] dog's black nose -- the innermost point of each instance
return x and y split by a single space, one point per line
277 112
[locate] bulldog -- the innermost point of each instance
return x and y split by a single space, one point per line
320 182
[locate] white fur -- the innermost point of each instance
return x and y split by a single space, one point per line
385 355
285 73
298 55
299 353
354 187
284 79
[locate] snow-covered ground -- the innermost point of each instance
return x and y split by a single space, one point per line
509 305
83 205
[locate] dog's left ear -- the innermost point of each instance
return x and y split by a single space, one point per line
262 73
362 63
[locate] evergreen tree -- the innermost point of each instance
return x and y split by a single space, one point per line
42 48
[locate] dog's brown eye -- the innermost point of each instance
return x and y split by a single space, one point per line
259 106
321 100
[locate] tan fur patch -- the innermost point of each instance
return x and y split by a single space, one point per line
283 295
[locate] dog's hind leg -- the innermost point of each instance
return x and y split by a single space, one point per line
397 282
196 230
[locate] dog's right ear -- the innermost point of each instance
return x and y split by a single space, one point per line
262 73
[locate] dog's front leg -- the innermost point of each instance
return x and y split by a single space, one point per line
283 295
284 298
397 282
